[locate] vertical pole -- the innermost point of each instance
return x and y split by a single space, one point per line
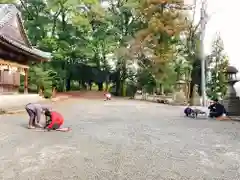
202 57
26 81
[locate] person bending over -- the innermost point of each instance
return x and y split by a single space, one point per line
34 111
54 121
216 109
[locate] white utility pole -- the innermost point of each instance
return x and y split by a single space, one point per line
202 56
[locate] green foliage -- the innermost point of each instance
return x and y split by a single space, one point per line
169 78
47 94
218 62
7 1
161 26
40 77
181 68
216 86
131 88
145 80
82 31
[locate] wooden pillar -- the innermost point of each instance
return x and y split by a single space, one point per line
26 80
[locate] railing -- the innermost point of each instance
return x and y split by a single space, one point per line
151 97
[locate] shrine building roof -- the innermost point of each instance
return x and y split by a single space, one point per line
13 34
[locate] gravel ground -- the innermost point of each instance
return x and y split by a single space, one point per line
120 140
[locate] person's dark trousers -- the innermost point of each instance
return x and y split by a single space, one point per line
215 114
32 116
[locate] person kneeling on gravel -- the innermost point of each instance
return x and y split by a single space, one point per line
217 110
54 121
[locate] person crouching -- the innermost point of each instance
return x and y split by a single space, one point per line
188 111
54 121
217 110
108 96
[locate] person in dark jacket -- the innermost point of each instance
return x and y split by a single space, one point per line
188 111
34 111
216 109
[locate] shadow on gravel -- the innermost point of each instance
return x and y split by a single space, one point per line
23 125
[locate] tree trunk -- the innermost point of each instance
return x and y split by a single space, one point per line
63 85
54 92
40 92
56 15
79 83
191 94
68 84
117 92
162 90
90 85
118 84
63 16
84 85
107 84
122 93
100 86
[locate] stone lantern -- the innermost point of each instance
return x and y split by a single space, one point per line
231 74
231 101
179 95
180 85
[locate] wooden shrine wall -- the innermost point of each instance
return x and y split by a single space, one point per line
9 81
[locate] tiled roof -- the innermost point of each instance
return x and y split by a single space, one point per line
7 12
31 50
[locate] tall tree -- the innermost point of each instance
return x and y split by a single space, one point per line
163 21
189 48
102 42
61 27
218 62
125 22
82 32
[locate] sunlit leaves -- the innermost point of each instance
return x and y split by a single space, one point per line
40 77
217 64
7 1
162 23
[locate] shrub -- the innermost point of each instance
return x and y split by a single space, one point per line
47 94
131 89
21 89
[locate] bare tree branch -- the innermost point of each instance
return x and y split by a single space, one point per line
194 11
25 7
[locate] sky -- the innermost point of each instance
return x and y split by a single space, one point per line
225 21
